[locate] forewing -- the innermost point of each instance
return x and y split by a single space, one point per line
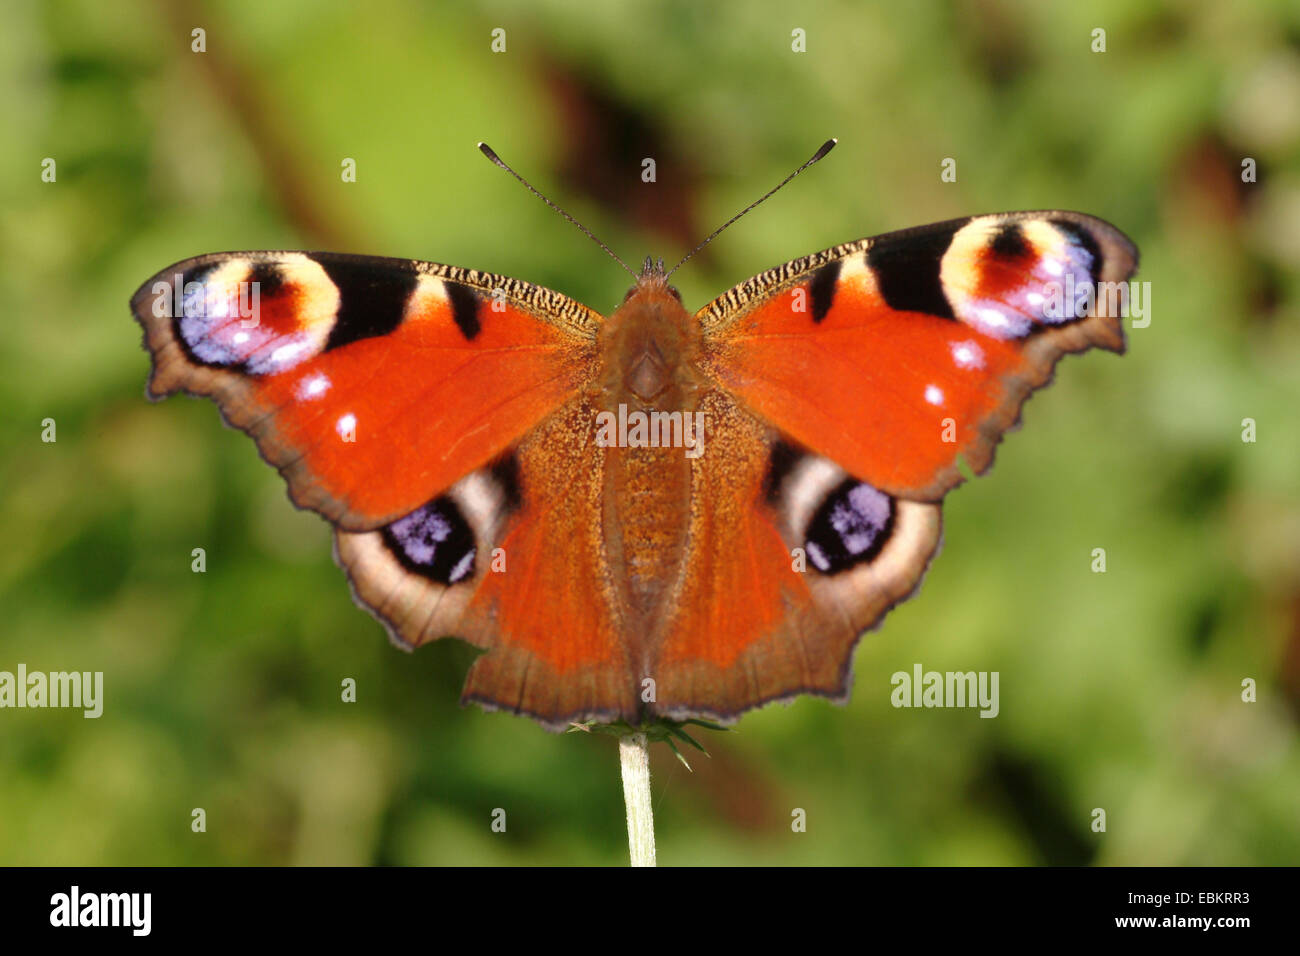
896 355
371 384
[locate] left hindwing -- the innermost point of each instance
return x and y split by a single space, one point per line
895 355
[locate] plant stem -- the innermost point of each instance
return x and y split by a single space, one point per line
634 756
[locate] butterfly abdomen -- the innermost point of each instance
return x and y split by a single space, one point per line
649 396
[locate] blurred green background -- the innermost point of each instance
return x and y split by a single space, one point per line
1119 691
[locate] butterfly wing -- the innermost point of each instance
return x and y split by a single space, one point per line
850 382
788 561
895 355
511 559
371 383
437 417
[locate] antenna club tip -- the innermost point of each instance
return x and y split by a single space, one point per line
826 148
489 152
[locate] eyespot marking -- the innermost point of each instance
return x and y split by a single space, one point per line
434 541
851 527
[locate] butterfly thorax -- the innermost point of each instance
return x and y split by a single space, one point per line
650 384
649 350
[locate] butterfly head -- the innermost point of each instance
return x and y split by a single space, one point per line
650 345
653 279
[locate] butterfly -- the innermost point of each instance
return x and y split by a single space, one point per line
657 514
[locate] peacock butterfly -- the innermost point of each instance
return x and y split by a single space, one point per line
720 503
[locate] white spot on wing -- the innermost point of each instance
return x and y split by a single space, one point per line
993 318
997 320
346 425
967 354
934 394
313 387
285 354
818 557
462 567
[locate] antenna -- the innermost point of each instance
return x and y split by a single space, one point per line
825 148
487 151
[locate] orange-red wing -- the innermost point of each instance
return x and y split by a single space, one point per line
895 355
372 384
766 608
512 559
